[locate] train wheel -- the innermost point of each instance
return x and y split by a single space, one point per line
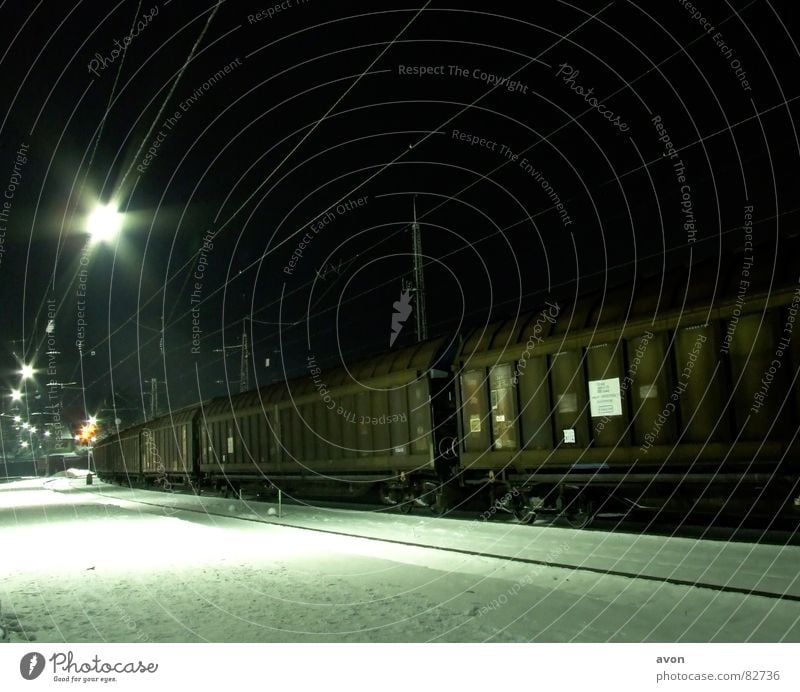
441 502
580 513
524 514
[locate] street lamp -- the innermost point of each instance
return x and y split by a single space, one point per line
104 222
27 372
16 395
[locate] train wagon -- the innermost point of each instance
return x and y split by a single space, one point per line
676 392
237 438
681 393
340 432
118 458
169 448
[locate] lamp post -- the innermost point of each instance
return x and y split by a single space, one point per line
103 223
27 373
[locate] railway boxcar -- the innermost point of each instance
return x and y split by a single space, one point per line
338 432
237 438
168 447
678 392
653 397
118 458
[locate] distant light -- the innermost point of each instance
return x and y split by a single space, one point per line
104 222
17 419
26 425
32 430
93 440
88 432
24 444
77 438
92 420
27 372
47 433
16 395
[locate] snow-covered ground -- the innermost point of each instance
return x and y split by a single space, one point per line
94 563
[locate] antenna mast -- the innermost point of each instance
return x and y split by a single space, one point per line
153 397
419 278
244 369
244 363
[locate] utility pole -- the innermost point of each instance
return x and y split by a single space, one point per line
244 368
153 397
154 382
419 278
244 364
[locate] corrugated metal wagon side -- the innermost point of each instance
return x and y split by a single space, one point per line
238 438
117 458
644 394
338 433
169 448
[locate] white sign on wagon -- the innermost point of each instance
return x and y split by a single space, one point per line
604 397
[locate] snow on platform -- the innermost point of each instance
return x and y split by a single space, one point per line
104 563
733 565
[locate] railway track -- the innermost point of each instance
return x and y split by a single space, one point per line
282 522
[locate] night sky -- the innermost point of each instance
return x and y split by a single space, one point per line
268 159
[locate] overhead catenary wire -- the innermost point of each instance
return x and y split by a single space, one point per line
727 129
430 211
120 186
146 138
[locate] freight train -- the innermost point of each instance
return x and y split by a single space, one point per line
677 394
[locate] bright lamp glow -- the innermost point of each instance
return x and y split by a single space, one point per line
92 420
17 419
27 372
47 433
16 395
104 222
87 433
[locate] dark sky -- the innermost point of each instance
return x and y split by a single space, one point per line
243 126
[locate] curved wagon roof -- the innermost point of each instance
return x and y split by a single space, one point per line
706 289
398 366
